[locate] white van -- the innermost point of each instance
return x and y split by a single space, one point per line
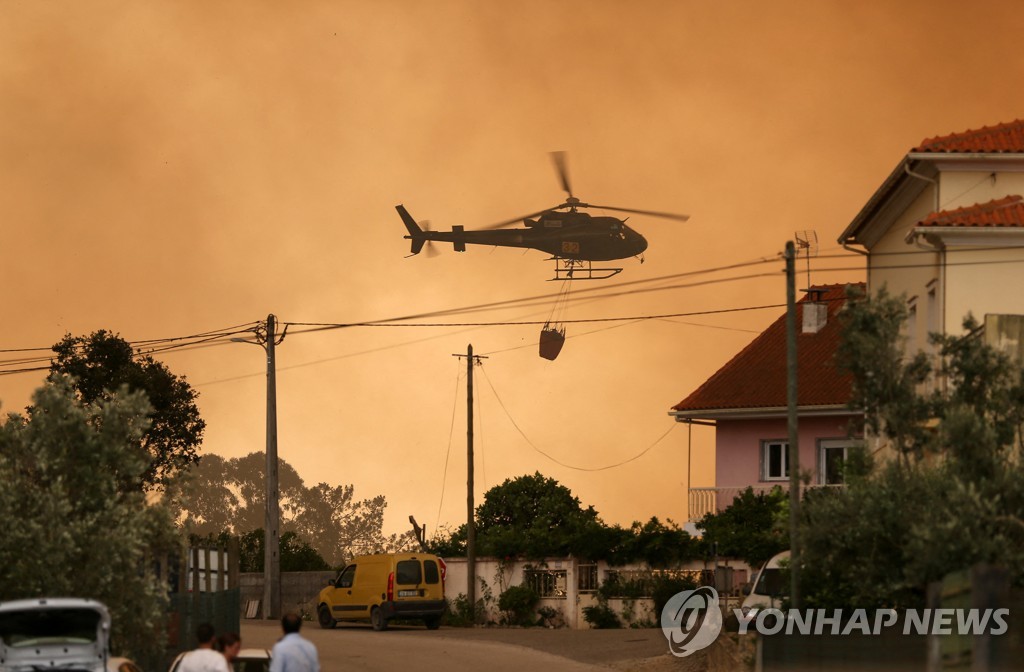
63 633
769 589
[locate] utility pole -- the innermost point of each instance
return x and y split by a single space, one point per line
791 422
272 538
266 338
471 359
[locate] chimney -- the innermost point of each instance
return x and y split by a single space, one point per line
815 312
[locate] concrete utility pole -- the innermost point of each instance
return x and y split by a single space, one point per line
266 338
272 538
791 416
471 359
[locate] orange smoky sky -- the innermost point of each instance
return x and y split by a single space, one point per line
169 168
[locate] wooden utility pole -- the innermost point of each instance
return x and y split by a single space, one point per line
470 518
271 538
791 416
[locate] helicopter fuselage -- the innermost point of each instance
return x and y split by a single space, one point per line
566 235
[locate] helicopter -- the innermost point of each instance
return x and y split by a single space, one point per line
572 237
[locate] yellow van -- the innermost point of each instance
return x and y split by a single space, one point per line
382 587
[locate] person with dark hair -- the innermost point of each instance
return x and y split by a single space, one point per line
204 658
230 645
293 653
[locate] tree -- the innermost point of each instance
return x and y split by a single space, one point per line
885 380
70 529
228 495
954 497
536 517
99 364
749 528
531 516
296 554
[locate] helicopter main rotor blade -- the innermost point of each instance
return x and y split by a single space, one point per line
651 213
563 171
516 220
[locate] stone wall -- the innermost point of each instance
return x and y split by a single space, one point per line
299 590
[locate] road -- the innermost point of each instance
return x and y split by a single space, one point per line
358 647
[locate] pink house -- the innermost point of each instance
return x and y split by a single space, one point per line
746 402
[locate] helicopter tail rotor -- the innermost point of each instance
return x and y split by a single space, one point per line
416 234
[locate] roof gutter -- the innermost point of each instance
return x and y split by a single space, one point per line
762 412
965 156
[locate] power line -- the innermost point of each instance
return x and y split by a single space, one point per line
556 460
451 434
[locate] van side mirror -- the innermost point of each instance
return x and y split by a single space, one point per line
330 582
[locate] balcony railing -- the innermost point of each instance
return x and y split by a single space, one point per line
710 500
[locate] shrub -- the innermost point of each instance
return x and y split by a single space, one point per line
601 616
458 614
518 602
665 588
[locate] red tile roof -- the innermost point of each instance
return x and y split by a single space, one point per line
1004 212
1008 137
756 377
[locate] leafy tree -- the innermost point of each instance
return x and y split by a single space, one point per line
885 380
658 544
229 495
956 495
296 554
531 516
101 363
69 527
536 517
749 528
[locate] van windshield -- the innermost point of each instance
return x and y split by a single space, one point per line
771 582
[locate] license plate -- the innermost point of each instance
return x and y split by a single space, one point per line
408 593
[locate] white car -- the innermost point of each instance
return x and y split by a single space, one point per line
65 633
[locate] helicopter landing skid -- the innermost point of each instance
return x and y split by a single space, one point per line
579 269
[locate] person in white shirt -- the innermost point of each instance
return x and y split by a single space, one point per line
293 653
204 658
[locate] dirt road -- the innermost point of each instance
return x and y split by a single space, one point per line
358 647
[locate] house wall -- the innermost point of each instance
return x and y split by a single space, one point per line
738 446
906 269
978 288
982 288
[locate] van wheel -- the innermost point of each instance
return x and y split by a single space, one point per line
324 616
377 619
433 622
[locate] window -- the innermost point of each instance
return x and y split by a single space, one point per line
546 582
408 573
831 458
430 572
347 577
911 326
774 460
586 579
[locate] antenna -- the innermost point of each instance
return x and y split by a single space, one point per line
807 245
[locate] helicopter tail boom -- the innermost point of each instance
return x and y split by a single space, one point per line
416 234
